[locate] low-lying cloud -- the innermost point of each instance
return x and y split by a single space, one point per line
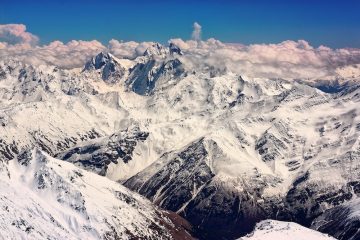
16 34
129 50
70 55
288 59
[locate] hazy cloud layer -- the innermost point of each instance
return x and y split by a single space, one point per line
288 59
69 55
128 50
16 34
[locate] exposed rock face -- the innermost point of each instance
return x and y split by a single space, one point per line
159 67
175 49
182 176
342 222
109 67
98 154
185 182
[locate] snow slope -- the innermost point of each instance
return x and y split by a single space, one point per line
276 230
223 150
45 198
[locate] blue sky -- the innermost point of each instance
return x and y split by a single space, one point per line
331 23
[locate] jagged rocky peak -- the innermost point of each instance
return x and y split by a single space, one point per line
111 69
99 60
159 68
174 49
156 49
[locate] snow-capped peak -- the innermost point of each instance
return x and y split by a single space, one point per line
174 49
99 60
156 49
112 70
159 50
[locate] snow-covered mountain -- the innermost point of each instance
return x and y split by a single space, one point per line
224 151
108 66
276 230
45 198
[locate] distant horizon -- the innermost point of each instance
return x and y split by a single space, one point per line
260 39
328 23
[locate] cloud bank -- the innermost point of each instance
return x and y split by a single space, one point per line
288 59
16 34
70 55
128 50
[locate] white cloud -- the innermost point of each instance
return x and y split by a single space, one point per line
69 55
196 34
16 34
288 59
128 50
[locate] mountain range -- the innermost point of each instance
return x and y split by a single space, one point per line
214 154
